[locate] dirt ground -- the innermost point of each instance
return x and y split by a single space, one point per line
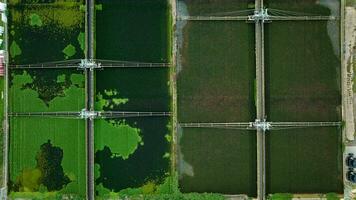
349 92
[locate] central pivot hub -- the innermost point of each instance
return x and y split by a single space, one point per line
88 64
85 114
262 125
261 15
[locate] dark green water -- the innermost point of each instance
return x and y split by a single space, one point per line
222 161
216 80
146 88
304 161
135 31
145 164
132 30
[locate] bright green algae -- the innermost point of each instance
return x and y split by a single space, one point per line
81 40
35 20
26 137
24 99
69 51
121 138
15 49
30 133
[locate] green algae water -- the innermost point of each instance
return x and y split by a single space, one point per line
132 155
47 155
39 90
44 91
67 137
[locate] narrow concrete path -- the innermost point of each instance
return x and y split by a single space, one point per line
260 102
90 14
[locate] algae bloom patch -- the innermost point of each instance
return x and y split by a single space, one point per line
15 50
35 20
121 138
69 51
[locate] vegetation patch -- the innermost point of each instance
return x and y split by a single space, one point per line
15 49
22 89
29 180
332 196
189 196
36 195
168 190
61 78
35 20
77 80
49 84
280 196
82 8
150 188
121 138
69 51
81 40
99 7
109 99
